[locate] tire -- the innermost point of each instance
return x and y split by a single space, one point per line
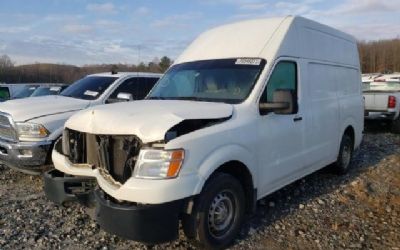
395 126
218 213
342 164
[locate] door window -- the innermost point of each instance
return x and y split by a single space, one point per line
284 77
138 87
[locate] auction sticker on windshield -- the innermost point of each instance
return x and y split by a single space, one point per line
248 61
91 93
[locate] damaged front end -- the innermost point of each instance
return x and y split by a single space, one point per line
190 125
114 155
121 208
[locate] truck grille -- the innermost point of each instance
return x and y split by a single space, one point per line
7 131
115 154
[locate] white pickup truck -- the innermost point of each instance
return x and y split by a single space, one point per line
30 126
246 109
382 101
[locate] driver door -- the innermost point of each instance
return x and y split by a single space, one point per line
280 142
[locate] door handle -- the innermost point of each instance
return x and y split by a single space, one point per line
296 119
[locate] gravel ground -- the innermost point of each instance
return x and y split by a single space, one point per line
360 210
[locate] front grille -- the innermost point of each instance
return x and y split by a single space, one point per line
115 154
7 131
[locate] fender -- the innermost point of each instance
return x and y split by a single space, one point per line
223 155
55 123
56 134
350 121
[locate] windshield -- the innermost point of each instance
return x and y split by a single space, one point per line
222 80
88 88
382 86
48 90
25 92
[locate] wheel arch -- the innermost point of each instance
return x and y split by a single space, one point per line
350 131
354 129
236 161
240 171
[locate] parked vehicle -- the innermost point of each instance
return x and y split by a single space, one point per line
246 109
26 91
29 127
12 91
48 89
382 101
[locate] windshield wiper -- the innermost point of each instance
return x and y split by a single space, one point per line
155 98
190 98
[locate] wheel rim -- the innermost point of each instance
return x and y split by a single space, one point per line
346 155
221 214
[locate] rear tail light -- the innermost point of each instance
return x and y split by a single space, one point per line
392 102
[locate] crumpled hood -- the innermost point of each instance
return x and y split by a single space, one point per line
147 119
28 108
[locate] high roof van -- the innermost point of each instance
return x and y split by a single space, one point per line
246 109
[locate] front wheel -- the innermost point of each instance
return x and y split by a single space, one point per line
219 212
341 166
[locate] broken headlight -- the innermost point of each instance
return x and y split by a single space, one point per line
158 163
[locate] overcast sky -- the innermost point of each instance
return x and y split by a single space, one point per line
123 31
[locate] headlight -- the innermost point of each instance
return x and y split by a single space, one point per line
28 130
158 164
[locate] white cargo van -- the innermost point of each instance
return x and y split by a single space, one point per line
246 109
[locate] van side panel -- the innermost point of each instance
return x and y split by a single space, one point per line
322 120
351 109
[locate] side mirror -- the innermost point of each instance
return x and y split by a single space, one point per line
124 97
283 103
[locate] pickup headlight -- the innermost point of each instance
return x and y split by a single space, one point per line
158 164
27 130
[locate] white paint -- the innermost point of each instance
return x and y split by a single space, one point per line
53 111
377 102
275 149
147 119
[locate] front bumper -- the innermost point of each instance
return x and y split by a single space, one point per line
151 224
60 188
134 189
27 157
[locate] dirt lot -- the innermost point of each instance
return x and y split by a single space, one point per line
360 210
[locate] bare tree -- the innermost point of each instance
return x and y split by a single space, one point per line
380 56
5 62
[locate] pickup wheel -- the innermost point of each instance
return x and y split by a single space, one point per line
341 166
395 126
219 212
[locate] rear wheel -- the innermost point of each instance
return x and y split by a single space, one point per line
395 126
341 166
218 213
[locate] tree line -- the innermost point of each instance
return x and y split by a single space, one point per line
381 56
61 73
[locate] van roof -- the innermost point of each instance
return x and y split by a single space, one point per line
124 74
274 37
